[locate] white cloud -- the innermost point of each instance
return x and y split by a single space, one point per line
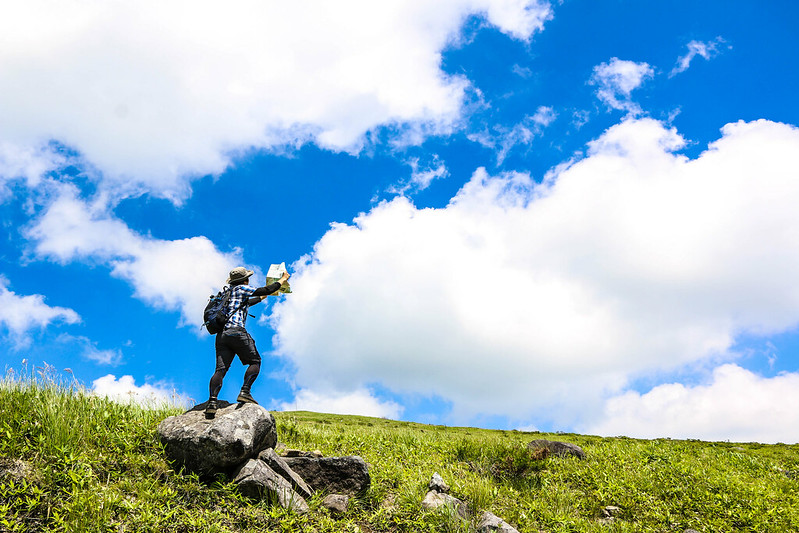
617 79
173 275
504 139
737 405
20 314
520 298
358 402
89 350
26 163
152 93
125 390
706 50
421 176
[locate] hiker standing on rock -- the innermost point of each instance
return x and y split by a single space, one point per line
235 340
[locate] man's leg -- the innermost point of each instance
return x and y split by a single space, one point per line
224 356
248 353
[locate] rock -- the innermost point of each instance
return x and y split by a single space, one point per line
256 480
278 464
609 514
237 433
690 531
437 483
435 500
336 503
562 449
490 522
335 475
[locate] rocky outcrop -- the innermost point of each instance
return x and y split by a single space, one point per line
339 475
240 441
255 479
205 446
561 449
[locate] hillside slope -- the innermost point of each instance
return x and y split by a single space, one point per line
70 461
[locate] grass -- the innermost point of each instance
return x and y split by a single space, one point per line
90 464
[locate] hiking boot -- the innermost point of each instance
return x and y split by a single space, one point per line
210 409
245 397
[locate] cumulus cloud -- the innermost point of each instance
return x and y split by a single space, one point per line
706 50
20 314
736 405
125 390
173 275
358 402
522 298
617 79
152 93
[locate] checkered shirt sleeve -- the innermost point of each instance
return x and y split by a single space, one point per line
239 294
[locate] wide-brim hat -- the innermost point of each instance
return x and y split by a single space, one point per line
238 274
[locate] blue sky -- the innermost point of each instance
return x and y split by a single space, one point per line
564 216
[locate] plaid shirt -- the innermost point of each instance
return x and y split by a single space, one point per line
240 293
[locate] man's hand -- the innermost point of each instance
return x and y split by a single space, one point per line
284 278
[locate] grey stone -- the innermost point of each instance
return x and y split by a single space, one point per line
561 449
437 483
611 511
335 475
436 500
256 480
279 465
490 522
336 503
237 433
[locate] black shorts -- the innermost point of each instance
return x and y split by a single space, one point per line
232 342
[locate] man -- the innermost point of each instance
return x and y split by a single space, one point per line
235 340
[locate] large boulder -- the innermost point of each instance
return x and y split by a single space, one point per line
561 449
339 475
237 433
256 480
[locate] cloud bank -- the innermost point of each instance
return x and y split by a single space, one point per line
360 402
736 405
151 94
539 300
125 390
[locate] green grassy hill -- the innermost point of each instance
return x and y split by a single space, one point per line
70 461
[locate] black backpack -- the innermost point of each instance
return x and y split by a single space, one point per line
214 316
